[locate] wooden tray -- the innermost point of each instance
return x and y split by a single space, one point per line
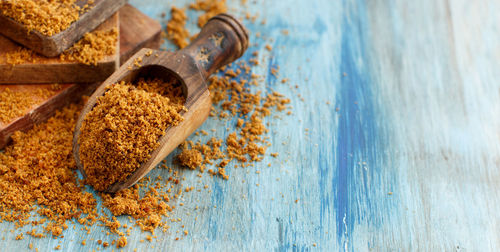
131 42
51 46
55 70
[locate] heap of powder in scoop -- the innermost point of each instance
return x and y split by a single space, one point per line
122 130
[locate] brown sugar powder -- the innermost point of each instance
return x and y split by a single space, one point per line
48 17
93 47
148 210
38 168
19 56
38 179
190 158
235 99
122 242
89 50
123 128
16 103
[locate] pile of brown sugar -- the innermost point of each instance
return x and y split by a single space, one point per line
89 50
39 187
48 17
123 128
93 47
19 56
15 103
190 158
37 172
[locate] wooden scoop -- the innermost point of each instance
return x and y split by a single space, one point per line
221 41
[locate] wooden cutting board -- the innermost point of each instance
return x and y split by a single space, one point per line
55 70
51 46
131 41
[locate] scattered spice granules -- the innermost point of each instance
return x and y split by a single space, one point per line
20 236
15 103
123 128
244 146
176 30
148 210
176 27
48 17
210 7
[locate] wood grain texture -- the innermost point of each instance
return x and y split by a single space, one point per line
55 70
418 97
51 46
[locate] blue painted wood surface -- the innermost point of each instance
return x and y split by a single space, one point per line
395 145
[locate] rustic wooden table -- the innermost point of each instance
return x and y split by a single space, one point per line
394 146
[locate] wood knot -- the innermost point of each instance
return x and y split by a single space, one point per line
217 39
203 55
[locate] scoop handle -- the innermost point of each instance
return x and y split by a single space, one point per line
222 40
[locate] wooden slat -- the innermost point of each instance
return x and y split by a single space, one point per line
55 70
